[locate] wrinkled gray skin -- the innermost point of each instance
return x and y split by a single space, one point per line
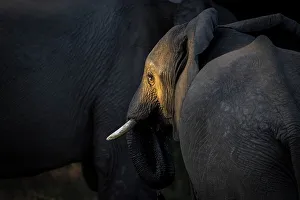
68 70
231 98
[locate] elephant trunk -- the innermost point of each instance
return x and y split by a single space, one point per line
148 139
148 145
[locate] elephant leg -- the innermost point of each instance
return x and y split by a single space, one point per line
160 196
106 159
180 188
89 172
192 192
117 177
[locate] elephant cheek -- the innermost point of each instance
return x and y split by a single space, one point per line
165 99
160 94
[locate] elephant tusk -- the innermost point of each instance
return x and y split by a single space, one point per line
122 130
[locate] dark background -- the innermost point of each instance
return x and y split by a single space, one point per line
67 183
62 184
244 9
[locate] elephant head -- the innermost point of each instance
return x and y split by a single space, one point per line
169 69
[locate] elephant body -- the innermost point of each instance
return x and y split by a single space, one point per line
68 72
239 121
242 141
229 94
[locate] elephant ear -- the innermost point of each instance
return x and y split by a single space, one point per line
199 33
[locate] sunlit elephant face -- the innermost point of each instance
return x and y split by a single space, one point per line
169 69
162 69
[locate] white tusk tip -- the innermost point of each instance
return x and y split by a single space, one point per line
110 137
122 130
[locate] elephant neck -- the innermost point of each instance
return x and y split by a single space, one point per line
292 75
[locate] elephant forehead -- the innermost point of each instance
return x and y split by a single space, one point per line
157 65
161 49
159 59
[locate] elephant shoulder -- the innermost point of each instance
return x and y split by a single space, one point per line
233 76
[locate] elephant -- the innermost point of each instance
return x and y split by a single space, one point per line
230 95
66 79
68 72
67 75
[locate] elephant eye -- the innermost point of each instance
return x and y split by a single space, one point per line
150 79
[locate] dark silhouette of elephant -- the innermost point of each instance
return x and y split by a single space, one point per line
68 70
